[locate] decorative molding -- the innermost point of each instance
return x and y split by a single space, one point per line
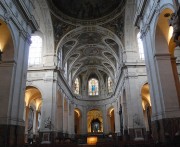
26 12
139 12
12 12
146 21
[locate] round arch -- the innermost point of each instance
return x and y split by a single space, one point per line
146 106
111 119
33 102
7 47
164 47
94 121
7 67
77 121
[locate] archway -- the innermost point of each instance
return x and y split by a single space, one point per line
165 48
77 121
6 66
6 43
33 102
7 77
146 105
111 120
94 121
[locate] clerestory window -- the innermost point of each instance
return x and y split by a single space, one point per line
76 86
93 85
110 84
140 46
35 51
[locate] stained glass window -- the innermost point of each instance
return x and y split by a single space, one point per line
35 50
93 87
76 86
109 84
140 45
65 70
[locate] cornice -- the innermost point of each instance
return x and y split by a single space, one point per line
139 12
25 12
18 19
147 21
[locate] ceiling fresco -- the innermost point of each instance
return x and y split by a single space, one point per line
86 9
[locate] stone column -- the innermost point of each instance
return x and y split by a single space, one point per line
84 120
176 77
12 85
84 88
125 116
59 111
117 119
35 121
63 114
134 105
105 123
68 117
13 71
164 97
26 124
71 120
108 123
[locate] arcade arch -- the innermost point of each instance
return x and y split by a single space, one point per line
77 121
164 50
146 105
33 103
94 121
111 120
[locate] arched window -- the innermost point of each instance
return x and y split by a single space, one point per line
76 86
93 87
65 70
35 51
140 46
110 84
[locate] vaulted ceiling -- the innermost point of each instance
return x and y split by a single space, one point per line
89 35
91 50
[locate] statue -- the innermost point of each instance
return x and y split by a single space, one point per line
47 123
96 127
175 23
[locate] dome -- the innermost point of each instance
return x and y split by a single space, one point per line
86 9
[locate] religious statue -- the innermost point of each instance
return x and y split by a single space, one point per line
175 23
95 127
47 123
